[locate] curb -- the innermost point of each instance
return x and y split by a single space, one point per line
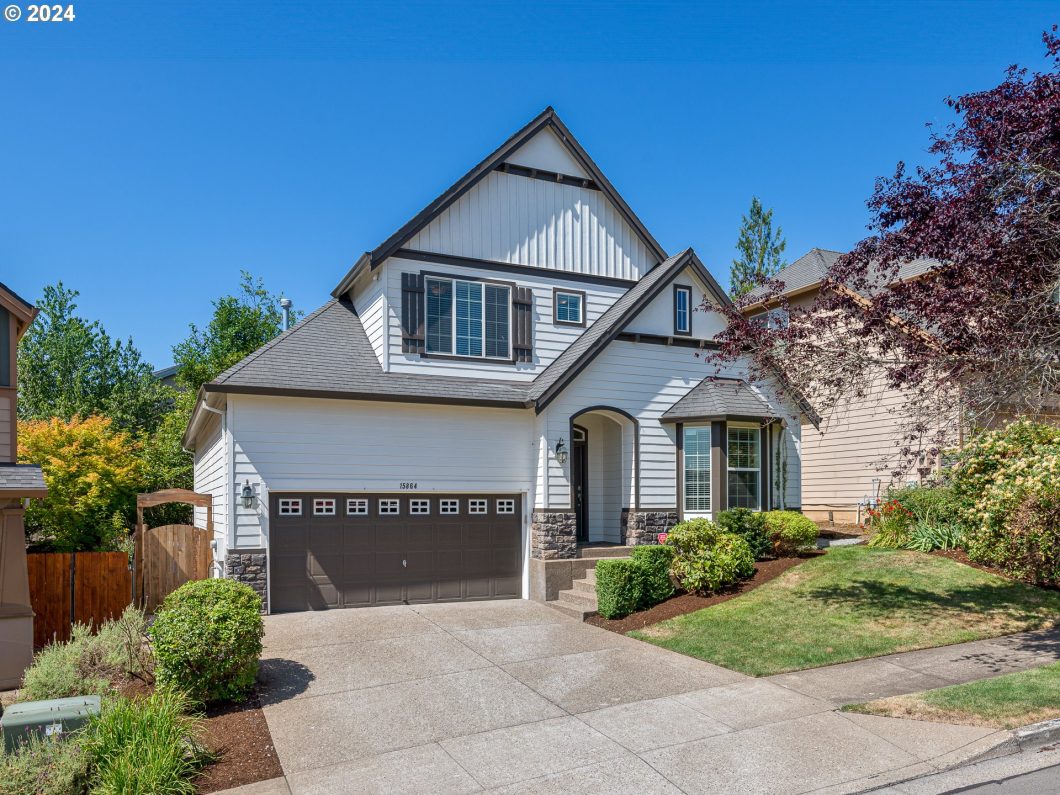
1030 738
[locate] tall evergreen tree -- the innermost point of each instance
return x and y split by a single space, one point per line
760 250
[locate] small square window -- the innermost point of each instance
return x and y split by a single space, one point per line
390 507
450 506
478 506
356 507
505 506
290 507
324 507
419 506
569 307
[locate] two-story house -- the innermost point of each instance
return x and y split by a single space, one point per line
18 483
510 377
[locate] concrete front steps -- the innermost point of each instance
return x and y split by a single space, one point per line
579 601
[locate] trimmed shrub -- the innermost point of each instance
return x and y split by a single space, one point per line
148 745
656 560
90 664
619 586
207 639
692 535
790 532
45 766
708 568
751 527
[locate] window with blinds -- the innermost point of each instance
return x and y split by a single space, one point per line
696 446
467 318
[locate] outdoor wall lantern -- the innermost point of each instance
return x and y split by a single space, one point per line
248 495
561 451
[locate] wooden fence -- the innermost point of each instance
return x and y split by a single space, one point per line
86 587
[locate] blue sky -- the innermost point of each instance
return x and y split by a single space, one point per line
151 150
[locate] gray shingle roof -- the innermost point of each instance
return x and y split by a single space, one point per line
18 479
812 267
718 398
328 355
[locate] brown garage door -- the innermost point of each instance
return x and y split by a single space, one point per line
342 550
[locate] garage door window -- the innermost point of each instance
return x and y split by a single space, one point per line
450 506
324 507
389 507
356 507
478 506
505 506
290 507
419 507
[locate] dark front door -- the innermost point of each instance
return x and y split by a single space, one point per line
579 472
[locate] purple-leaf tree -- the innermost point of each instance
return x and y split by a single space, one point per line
975 337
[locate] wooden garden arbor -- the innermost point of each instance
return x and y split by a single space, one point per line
168 556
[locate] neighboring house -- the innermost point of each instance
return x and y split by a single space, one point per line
18 482
508 377
851 458
167 376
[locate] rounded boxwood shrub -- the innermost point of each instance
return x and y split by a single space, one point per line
724 562
790 532
656 560
207 639
619 586
751 527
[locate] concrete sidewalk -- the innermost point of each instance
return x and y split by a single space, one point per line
513 697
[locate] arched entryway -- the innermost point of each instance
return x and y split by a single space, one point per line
603 472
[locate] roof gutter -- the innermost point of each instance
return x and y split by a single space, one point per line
364 261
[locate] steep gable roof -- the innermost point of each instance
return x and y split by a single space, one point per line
594 339
546 119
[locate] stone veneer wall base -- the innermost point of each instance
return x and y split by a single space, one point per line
643 527
250 566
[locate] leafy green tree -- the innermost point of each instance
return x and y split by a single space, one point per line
760 250
70 367
240 325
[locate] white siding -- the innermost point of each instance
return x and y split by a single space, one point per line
210 478
515 219
300 444
645 380
549 339
370 305
546 151
605 478
658 316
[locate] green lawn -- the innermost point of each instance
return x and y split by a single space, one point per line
1004 702
851 603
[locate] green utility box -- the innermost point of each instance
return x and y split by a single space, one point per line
46 718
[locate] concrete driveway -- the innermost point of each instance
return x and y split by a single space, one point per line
514 697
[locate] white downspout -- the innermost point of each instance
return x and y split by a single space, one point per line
224 435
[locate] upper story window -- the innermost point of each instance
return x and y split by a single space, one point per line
568 307
468 318
777 318
682 310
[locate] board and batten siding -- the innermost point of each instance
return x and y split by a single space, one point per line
7 425
304 444
210 478
645 380
519 220
549 340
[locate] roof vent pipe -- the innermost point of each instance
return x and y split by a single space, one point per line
285 305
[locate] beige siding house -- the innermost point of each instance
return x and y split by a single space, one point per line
852 457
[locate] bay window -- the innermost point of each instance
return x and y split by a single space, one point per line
696 446
468 318
744 467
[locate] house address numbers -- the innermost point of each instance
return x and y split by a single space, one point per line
409 485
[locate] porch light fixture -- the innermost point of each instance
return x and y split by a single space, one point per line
247 495
561 451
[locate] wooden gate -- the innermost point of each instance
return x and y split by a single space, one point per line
86 587
169 556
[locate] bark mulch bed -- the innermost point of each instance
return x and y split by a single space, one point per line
765 570
241 738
